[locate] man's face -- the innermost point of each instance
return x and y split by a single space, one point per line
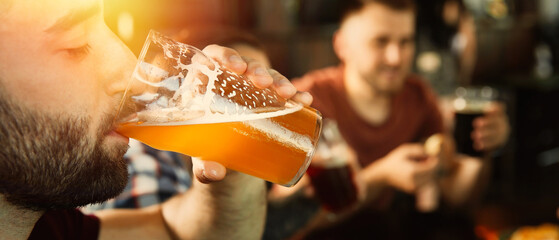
377 43
62 73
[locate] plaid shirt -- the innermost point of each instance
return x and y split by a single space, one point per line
154 176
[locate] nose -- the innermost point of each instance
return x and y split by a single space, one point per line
393 55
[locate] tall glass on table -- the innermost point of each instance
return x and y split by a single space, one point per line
180 100
330 172
470 103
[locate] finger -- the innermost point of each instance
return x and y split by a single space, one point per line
408 187
423 179
416 151
495 108
485 132
360 186
257 73
487 143
282 86
208 171
304 98
227 57
428 166
485 122
308 191
486 139
486 135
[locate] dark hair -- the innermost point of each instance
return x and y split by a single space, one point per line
352 6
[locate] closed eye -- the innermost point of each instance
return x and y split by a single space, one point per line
80 52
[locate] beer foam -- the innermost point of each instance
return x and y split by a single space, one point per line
281 134
196 91
470 106
201 91
176 116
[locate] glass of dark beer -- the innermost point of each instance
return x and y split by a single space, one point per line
330 171
470 103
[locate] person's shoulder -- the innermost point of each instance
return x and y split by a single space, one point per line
68 222
319 77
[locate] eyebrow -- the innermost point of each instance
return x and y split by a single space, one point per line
74 18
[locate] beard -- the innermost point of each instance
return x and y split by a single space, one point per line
49 162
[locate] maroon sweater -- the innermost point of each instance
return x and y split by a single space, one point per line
66 224
414 113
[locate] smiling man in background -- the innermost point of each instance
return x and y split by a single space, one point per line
384 112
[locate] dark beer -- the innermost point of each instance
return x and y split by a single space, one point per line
469 104
333 186
330 171
463 131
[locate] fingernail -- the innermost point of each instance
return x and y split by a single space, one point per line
237 62
235 59
307 97
260 71
213 173
288 90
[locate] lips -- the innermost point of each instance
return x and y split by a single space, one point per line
392 75
108 129
115 134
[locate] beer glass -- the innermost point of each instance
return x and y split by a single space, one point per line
183 101
330 172
469 103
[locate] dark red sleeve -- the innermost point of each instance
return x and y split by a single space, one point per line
66 224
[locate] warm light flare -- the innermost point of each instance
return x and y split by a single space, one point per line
125 26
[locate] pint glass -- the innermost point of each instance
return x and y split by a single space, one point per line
469 104
180 100
330 171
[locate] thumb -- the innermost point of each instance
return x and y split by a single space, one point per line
495 108
208 171
430 164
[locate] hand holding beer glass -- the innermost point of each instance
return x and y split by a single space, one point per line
180 100
469 104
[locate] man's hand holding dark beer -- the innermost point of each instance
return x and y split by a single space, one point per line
491 130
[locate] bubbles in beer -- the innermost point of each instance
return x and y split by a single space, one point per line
200 89
195 90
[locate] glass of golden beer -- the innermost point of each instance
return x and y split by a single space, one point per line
183 101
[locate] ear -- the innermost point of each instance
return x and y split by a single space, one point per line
338 42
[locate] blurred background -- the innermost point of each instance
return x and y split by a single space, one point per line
516 51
